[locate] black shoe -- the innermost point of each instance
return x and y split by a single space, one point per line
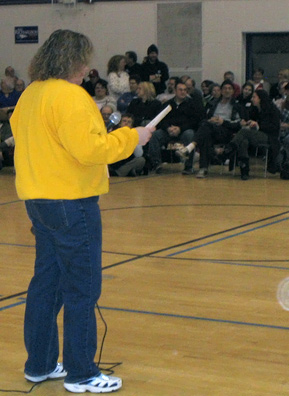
159 169
244 168
273 169
245 176
188 171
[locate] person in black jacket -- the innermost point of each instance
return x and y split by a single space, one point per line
223 120
245 99
145 107
132 67
262 128
178 126
155 71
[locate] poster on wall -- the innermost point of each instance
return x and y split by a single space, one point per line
26 34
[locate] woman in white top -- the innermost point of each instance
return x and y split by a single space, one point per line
101 96
118 79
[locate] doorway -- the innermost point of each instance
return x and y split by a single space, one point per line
270 51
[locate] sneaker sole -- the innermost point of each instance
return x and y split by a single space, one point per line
75 388
58 373
44 377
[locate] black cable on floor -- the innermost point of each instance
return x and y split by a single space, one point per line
107 370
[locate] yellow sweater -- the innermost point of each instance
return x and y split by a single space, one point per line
61 145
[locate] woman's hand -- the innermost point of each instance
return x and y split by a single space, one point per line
144 133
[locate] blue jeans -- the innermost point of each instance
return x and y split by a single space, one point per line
67 272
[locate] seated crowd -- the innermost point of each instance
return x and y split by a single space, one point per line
217 124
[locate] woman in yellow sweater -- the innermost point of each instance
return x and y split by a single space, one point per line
61 156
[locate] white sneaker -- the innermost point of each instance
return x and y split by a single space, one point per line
59 372
203 172
100 384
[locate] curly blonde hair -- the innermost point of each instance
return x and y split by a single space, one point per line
149 90
61 56
113 63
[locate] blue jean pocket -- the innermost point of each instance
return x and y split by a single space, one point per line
50 213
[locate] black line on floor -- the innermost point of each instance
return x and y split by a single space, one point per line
195 240
151 254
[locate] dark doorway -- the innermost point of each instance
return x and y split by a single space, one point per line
269 51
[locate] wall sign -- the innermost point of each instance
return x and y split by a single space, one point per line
26 34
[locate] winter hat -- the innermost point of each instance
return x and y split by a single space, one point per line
152 48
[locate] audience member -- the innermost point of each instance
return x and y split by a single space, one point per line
245 99
223 120
8 96
283 157
184 78
133 165
205 87
118 79
214 94
177 126
285 112
10 72
216 91
283 75
89 85
282 94
155 71
191 88
170 91
262 128
258 79
106 111
125 99
145 107
282 161
101 96
229 75
6 143
19 85
132 67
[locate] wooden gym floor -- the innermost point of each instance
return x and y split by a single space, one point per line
190 273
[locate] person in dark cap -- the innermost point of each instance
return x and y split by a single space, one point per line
155 71
94 78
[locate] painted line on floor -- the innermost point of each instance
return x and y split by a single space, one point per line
13 305
227 237
177 316
170 315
